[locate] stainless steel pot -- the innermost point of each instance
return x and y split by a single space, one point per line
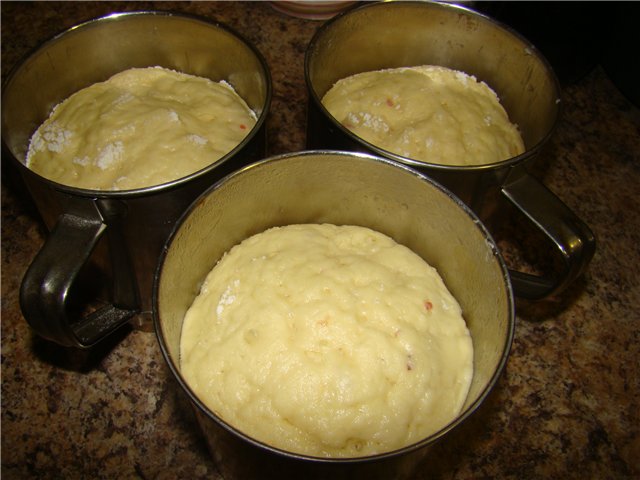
116 237
339 188
397 34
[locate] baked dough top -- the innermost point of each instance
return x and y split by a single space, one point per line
428 113
140 128
330 341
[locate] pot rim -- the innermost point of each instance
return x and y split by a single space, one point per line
528 153
153 189
429 440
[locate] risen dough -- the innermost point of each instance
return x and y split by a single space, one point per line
142 127
328 341
427 113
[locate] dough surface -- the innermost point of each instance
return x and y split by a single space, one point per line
330 341
142 127
428 113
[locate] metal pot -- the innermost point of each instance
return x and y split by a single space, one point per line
339 188
400 34
116 236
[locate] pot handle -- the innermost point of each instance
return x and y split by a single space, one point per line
570 235
46 285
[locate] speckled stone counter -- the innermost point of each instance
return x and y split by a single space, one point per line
567 405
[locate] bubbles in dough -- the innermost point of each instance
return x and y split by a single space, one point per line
141 127
331 341
428 113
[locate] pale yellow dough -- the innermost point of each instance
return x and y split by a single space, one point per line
330 341
142 127
427 113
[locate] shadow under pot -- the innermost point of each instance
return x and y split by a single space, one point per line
110 241
338 188
406 34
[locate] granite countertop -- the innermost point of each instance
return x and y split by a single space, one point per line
567 405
